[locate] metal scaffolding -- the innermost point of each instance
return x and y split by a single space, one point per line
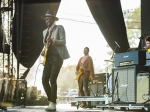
7 12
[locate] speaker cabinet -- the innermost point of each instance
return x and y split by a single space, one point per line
125 77
142 87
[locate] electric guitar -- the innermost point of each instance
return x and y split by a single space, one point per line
45 54
79 74
148 50
47 44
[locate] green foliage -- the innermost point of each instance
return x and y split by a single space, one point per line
133 26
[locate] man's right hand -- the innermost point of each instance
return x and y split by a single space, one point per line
77 72
42 53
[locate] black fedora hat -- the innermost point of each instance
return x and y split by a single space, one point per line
49 13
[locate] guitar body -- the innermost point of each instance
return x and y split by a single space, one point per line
46 50
78 75
47 45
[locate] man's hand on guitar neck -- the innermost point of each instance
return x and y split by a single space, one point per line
49 39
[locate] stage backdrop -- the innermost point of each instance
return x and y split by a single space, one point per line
107 13
109 17
28 27
145 19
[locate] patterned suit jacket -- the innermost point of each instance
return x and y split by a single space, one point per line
59 38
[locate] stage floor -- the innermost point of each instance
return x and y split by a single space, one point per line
61 108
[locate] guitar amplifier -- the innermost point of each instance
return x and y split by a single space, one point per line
142 93
130 58
128 84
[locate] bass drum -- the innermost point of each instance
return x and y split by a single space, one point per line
109 84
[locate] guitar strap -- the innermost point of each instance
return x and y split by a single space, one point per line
46 36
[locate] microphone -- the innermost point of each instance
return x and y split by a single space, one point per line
117 44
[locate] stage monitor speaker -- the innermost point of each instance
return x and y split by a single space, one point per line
96 89
142 87
125 77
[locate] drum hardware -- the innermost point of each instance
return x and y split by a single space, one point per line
109 84
112 57
107 89
116 85
109 60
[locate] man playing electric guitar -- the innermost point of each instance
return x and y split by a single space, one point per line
85 67
56 53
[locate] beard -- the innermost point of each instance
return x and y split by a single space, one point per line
49 24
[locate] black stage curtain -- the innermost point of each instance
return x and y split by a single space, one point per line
38 8
109 17
145 20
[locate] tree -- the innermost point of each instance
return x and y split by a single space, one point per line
133 26
132 20
66 79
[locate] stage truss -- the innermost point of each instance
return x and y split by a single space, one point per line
7 12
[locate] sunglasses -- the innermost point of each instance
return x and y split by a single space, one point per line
49 18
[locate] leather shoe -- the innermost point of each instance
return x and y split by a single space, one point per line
51 107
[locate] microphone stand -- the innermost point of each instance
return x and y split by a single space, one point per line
116 84
114 51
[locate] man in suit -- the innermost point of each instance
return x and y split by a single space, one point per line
54 37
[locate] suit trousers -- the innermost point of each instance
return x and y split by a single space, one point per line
49 78
83 83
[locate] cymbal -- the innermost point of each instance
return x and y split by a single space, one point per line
109 60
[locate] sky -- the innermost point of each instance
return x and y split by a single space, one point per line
81 31
80 34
